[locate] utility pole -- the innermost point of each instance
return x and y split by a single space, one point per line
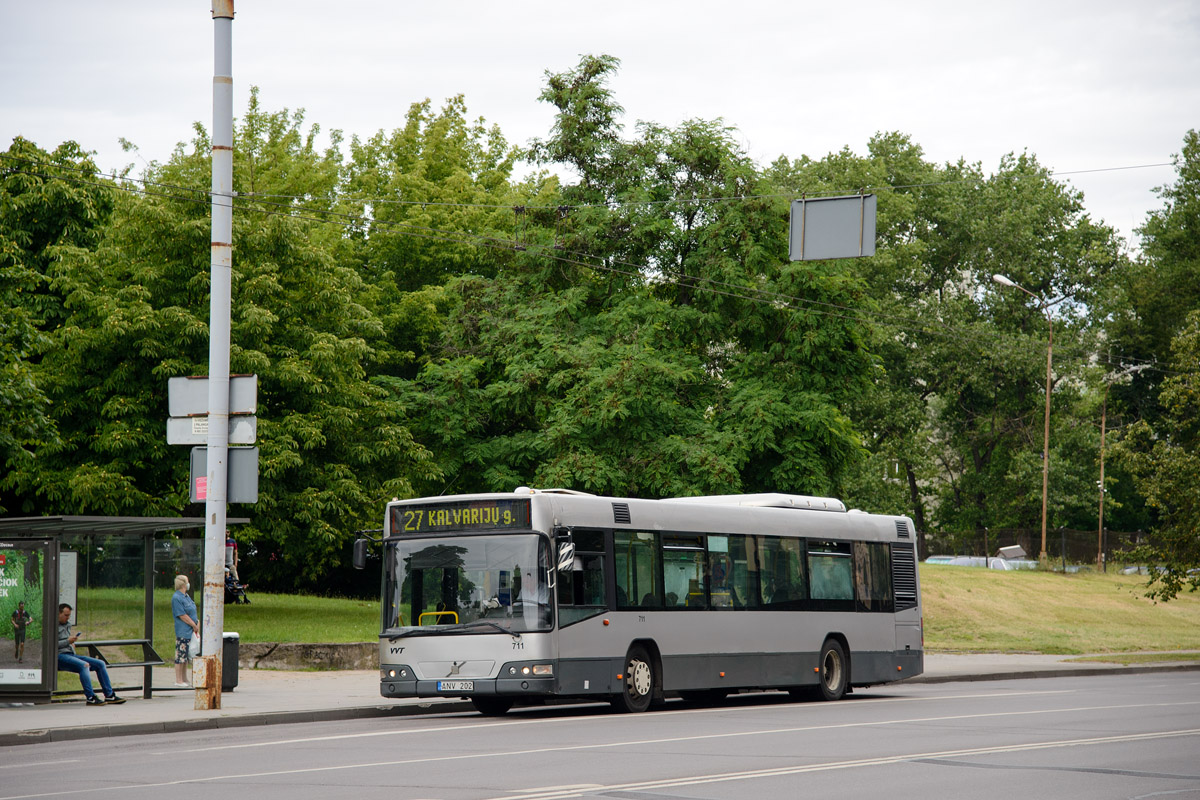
206 671
1100 534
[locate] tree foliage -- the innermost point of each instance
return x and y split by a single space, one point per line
658 343
51 205
1164 461
1158 301
623 319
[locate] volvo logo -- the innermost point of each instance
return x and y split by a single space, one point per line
455 666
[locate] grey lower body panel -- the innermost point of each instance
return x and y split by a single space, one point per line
486 687
780 670
680 673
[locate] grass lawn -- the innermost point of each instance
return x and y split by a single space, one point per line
1129 659
970 609
117 614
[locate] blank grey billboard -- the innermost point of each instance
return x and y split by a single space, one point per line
832 227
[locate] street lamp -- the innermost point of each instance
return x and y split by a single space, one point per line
1002 280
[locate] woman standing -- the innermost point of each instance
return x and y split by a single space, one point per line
183 609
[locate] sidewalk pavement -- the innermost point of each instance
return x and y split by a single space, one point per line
269 697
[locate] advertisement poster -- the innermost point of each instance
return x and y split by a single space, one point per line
22 627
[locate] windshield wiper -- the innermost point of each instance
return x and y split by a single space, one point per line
489 624
413 632
453 630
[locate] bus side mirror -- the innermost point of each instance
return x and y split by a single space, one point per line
566 556
360 553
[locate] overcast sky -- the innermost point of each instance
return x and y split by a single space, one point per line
1093 85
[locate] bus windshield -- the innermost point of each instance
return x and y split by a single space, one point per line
457 580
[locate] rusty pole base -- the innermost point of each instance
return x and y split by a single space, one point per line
206 678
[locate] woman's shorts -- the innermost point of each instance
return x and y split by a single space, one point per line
181 651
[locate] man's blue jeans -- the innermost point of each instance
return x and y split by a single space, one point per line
80 665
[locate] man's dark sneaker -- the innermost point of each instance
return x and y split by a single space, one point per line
113 700
94 701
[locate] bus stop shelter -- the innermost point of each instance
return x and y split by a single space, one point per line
109 569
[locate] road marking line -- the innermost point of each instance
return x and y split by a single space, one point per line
669 783
651 784
578 720
570 787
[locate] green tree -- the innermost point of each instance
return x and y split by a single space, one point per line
1152 296
953 420
1164 461
1145 305
334 446
432 201
50 204
654 343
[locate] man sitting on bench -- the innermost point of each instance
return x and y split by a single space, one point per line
68 661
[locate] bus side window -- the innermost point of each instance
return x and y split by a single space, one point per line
638 563
683 577
783 573
721 573
873 576
743 575
830 570
583 584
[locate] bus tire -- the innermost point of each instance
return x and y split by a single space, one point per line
492 706
637 682
833 676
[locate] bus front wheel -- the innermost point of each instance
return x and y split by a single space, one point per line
637 682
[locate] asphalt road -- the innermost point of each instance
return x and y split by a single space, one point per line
1128 736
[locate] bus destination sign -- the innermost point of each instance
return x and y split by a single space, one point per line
473 515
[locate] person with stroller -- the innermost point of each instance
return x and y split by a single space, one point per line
235 590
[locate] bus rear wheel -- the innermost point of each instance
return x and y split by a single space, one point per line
637 682
834 671
492 706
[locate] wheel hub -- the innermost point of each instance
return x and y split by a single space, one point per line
831 670
639 678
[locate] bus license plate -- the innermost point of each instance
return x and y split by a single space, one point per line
456 686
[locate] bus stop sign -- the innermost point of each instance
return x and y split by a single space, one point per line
242 475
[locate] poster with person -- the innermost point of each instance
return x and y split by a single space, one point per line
22 628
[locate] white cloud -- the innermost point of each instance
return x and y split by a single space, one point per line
1083 85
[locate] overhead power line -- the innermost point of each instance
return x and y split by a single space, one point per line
373 201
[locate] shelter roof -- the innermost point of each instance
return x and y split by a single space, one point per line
112 526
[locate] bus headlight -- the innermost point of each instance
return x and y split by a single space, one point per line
543 669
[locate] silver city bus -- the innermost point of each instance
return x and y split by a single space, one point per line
509 598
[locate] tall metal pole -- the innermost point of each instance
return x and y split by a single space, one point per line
207 671
1046 437
1100 533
